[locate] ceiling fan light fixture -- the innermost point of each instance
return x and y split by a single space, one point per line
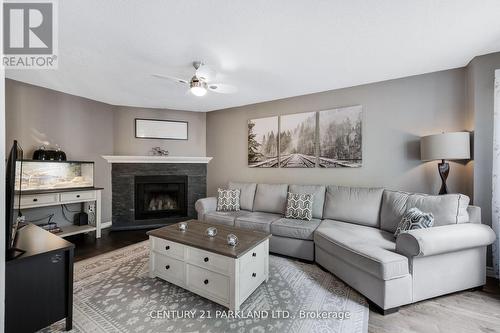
197 87
198 91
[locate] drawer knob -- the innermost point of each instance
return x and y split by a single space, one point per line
254 254
35 200
206 281
254 275
78 195
167 247
167 267
205 259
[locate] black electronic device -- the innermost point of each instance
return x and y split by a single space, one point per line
12 215
81 219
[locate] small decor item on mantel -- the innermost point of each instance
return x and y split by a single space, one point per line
183 226
232 240
157 151
211 231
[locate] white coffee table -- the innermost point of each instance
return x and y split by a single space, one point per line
208 266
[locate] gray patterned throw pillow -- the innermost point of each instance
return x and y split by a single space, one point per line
299 206
228 200
414 218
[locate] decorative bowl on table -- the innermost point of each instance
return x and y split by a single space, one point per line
232 240
211 231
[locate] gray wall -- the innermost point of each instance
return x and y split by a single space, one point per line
87 129
125 142
396 114
82 127
481 75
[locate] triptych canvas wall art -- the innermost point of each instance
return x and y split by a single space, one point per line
327 139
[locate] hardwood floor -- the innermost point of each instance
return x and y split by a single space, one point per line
87 246
463 312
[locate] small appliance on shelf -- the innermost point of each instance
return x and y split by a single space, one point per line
44 154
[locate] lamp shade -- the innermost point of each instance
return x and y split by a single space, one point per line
445 146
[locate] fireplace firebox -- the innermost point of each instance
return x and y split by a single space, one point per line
158 197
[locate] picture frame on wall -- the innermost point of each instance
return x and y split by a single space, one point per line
341 137
298 140
263 142
161 129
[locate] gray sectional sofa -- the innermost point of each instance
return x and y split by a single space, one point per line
352 235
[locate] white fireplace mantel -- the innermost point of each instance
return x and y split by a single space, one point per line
156 159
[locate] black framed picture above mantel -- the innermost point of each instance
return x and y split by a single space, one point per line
161 129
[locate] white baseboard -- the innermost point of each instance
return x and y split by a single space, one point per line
490 272
105 225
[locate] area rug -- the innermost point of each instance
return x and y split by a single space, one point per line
113 293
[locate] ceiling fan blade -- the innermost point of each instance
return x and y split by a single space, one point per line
205 72
171 78
222 88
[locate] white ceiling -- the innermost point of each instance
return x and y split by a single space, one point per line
268 49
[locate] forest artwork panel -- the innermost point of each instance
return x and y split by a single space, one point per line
340 137
263 142
298 140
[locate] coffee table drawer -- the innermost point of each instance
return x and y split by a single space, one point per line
207 283
168 268
168 248
208 260
251 277
256 254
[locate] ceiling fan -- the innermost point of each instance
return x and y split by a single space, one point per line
201 82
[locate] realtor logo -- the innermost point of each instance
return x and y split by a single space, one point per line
29 35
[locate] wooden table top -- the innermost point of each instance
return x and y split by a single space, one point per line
195 236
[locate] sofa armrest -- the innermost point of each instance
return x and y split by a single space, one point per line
474 214
204 206
443 239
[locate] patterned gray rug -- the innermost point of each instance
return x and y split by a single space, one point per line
113 293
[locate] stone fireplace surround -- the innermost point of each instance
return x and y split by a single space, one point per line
124 170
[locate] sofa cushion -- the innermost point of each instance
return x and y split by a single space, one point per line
257 221
393 209
447 209
247 193
318 192
270 198
293 228
226 218
369 249
360 205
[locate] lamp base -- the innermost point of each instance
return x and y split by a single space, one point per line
444 171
